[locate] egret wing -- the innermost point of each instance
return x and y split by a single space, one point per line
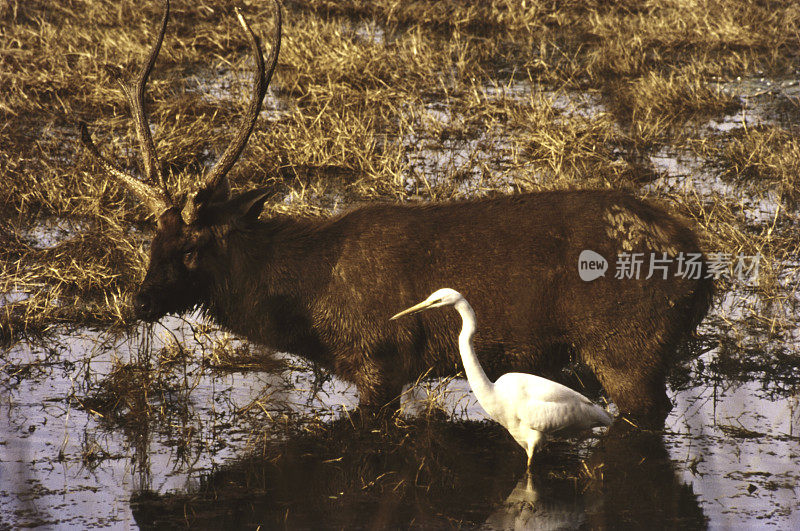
534 387
550 417
543 405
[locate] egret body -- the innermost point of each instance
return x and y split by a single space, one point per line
528 406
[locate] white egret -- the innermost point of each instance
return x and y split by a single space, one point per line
529 407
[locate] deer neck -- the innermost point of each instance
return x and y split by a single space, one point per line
268 277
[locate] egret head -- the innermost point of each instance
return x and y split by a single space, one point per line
442 297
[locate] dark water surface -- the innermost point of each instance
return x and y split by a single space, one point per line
229 448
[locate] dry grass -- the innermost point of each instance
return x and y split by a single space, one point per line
379 100
765 158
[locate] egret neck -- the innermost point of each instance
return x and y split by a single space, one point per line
480 383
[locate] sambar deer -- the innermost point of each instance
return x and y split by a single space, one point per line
325 288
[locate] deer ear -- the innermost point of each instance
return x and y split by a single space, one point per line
245 207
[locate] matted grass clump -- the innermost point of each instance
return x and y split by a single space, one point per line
380 100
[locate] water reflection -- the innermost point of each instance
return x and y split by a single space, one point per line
633 483
533 504
430 473
435 473
628 481
273 447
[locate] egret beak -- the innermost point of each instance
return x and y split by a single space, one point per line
414 309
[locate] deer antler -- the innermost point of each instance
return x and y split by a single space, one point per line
152 167
216 177
156 199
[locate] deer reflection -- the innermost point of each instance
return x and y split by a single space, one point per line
631 482
628 480
433 472
426 472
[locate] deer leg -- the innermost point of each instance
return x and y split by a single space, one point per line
638 388
379 396
380 380
639 393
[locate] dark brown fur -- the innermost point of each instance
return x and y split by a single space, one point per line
325 289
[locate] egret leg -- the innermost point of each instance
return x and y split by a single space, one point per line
533 440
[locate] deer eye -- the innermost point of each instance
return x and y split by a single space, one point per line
190 257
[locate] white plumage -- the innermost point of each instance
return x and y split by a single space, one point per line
530 407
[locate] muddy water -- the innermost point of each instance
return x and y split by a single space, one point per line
729 456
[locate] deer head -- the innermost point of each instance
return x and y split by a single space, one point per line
192 232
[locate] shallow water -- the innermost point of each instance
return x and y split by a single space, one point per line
62 464
730 452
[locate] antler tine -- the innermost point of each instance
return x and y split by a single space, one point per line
260 84
135 94
150 196
157 200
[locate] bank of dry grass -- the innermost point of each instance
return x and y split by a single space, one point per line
376 100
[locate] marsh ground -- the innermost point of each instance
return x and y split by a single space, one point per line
695 104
